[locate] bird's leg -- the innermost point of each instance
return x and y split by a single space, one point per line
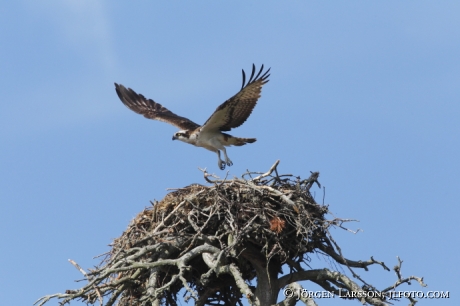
227 160
220 162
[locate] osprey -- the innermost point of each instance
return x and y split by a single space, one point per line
230 114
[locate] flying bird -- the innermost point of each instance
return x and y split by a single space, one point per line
230 114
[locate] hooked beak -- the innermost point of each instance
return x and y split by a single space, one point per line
174 137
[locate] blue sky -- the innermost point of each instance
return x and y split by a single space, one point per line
365 92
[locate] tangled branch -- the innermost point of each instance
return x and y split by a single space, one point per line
213 241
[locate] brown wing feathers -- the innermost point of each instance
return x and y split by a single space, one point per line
150 109
234 112
263 77
230 114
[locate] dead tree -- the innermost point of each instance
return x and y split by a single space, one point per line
229 241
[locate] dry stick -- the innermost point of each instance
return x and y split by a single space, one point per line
169 216
340 280
97 279
115 295
206 174
46 298
400 280
372 261
397 268
283 197
154 231
180 262
311 180
88 278
197 229
272 168
356 264
187 287
231 269
151 284
341 255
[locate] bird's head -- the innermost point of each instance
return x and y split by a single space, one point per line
182 135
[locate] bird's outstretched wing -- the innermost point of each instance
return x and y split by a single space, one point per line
152 110
234 112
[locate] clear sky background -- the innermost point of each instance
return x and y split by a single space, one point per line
365 92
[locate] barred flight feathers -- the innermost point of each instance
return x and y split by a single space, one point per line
234 112
152 110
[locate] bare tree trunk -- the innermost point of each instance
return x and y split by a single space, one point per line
266 292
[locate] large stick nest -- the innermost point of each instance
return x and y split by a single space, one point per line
282 228
275 214
206 242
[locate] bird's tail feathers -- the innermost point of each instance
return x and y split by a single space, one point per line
236 141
